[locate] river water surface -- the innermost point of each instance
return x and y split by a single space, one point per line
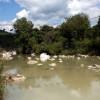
69 80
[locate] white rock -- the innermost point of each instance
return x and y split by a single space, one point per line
62 56
18 77
37 58
78 58
11 72
60 61
55 56
40 64
82 65
52 64
94 66
10 58
14 53
90 67
52 59
32 62
97 66
44 57
33 54
70 56
29 58
7 56
84 56
98 57
75 93
51 68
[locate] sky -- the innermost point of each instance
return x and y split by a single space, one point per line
50 12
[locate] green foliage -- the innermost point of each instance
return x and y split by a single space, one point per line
73 36
83 46
98 22
23 28
55 48
75 26
46 28
7 40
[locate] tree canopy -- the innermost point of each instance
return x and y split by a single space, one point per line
74 35
24 29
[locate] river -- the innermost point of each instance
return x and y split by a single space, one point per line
69 80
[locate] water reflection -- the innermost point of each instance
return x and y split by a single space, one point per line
67 82
52 89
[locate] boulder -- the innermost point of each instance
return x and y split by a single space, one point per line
44 57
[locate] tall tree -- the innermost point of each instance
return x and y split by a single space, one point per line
98 22
23 28
76 24
74 27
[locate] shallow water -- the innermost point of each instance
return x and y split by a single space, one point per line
68 81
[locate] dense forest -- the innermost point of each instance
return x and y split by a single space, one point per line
74 35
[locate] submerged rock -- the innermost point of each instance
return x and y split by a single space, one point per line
82 65
32 62
52 68
12 75
14 53
29 58
55 56
52 59
62 56
78 58
33 54
94 66
52 64
10 72
18 77
70 56
60 60
39 64
7 56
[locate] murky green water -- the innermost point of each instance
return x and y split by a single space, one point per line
68 81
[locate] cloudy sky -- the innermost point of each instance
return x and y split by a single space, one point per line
50 12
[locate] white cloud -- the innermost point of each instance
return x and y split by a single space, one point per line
86 6
90 7
22 13
6 25
54 11
44 11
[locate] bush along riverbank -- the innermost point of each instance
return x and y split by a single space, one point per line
2 83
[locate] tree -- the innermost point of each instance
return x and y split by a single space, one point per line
46 28
98 22
76 24
23 28
74 28
97 30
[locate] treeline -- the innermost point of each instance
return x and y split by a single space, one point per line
7 40
74 35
